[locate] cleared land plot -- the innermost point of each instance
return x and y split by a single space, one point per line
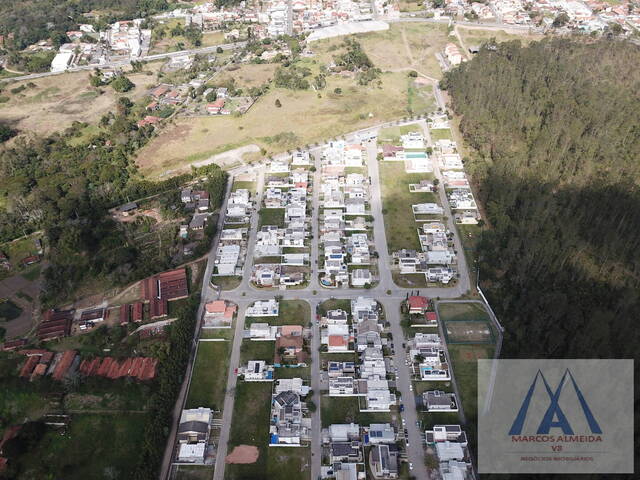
462 312
334 304
114 456
303 118
345 410
223 333
476 37
440 134
257 350
251 427
248 75
399 224
469 332
239 185
407 46
470 236
292 312
227 282
411 280
271 216
392 134
194 472
55 102
209 376
464 360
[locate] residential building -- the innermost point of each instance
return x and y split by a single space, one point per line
258 371
438 401
381 433
383 461
264 308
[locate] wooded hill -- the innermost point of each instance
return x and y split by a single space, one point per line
556 132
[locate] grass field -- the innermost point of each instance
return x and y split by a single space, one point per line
345 410
271 216
469 332
227 282
305 117
399 224
114 456
476 37
465 367
194 472
209 376
224 333
249 75
458 312
292 312
470 236
412 280
392 134
55 102
440 134
239 185
334 304
257 350
251 427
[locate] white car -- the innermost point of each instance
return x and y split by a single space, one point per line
410 465
411 387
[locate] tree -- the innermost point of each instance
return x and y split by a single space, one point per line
122 84
337 91
561 20
278 104
219 50
413 74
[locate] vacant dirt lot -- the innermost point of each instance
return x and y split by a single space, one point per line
243 454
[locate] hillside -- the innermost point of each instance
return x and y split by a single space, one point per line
556 143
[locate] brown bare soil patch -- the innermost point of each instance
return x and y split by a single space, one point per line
243 454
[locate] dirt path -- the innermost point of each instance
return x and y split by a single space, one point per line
462 45
407 47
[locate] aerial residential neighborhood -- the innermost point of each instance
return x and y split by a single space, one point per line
297 239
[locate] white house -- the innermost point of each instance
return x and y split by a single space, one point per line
413 140
427 209
258 371
361 277
264 308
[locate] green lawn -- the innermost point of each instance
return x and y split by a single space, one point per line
470 236
292 312
440 134
209 376
399 224
334 304
261 350
194 472
251 186
271 216
457 312
411 280
77 455
345 410
392 134
251 427
225 333
465 368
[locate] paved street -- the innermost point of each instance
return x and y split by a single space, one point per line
122 63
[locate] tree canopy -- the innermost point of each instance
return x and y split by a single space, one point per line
556 139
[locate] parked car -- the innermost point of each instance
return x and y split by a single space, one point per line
402 407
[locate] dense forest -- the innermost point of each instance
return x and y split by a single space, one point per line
555 131
557 141
32 20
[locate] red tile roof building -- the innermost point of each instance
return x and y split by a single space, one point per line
418 304
142 368
55 324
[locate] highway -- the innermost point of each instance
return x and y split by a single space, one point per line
122 63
